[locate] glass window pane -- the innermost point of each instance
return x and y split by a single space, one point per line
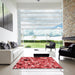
41 23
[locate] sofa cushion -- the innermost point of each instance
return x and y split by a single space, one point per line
17 51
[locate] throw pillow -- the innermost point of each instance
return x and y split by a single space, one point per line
13 44
3 45
9 46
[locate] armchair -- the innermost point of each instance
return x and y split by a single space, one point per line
69 52
51 45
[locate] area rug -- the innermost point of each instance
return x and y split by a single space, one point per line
37 63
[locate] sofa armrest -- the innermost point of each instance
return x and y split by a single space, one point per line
6 57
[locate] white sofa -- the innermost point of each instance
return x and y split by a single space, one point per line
9 55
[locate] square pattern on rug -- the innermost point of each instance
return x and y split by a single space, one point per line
37 63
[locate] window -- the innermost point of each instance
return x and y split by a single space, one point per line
40 23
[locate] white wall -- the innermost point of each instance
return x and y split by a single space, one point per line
6 35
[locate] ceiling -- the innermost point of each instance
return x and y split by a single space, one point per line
34 4
51 1
42 4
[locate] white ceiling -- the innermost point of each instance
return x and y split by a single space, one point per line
51 1
34 4
39 6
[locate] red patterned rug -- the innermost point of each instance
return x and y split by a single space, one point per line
37 62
